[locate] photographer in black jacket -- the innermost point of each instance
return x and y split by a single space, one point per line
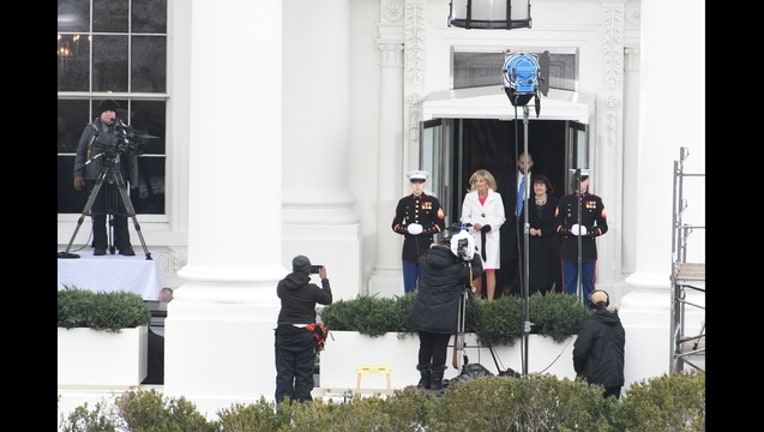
599 347
295 345
445 274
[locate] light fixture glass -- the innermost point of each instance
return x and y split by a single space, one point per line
490 14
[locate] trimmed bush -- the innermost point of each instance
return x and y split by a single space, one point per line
109 311
556 315
674 402
533 402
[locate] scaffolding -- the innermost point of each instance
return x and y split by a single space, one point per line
687 282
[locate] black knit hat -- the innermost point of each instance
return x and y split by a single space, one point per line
108 105
301 264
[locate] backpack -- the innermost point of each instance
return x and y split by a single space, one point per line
320 333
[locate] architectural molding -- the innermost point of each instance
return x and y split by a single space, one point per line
612 47
392 11
631 62
633 14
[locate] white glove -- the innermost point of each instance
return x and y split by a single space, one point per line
415 229
578 230
464 252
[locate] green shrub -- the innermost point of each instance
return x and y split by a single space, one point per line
263 416
555 314
149 411
675 402
558 315
502 320
109 311
534 402
369 315
99 419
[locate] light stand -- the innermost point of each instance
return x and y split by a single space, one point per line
579 262
521 79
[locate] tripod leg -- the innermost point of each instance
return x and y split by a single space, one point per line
111 208
459 335
122 186
85 212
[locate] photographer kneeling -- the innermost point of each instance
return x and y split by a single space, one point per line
446 269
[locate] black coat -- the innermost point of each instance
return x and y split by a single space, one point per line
544 268
598 350
299 297
509 230
444 277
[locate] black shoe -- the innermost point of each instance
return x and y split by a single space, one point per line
128 251
99 252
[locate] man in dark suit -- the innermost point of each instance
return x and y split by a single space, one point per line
508 276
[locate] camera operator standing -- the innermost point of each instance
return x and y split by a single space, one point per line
89 162
446 272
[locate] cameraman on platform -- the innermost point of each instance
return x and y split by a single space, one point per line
445 275
89 162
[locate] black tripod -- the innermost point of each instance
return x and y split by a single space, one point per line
112 174
471 370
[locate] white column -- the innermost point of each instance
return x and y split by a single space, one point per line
672 115
219 328
319 218
387 279
608 150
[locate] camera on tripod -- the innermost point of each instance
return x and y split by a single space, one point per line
121 141
462 242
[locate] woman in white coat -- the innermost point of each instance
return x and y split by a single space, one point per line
483 209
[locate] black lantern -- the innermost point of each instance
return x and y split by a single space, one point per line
490 14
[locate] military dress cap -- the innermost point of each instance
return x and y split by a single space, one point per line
584 172
418 175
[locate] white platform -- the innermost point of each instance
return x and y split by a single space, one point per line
113 273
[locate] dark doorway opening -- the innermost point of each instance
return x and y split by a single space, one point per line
495 145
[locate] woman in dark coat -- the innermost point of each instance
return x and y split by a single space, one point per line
445 275
544 269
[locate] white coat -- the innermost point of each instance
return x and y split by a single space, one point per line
491 213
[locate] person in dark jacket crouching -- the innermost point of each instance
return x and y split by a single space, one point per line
295 345
445 275
598 350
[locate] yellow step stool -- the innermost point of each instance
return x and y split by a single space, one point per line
373 370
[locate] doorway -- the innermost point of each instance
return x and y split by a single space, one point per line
452 149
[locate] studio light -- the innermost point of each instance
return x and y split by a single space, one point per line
490 14
525 75
521 77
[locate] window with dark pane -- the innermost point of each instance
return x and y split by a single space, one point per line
113 49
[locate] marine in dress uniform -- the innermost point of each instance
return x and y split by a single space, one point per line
417 217
593 224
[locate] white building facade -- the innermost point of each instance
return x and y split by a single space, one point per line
292 132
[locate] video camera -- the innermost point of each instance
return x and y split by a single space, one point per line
462 242
122 140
